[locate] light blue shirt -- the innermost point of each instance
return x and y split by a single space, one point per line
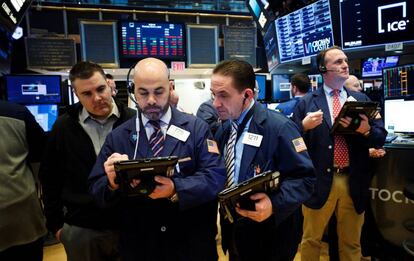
239 144
329 99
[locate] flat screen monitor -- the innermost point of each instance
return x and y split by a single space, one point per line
398 81
259 12
397 115
163 40
305 32
270 44
12 13
316 81
375 22
45 114
281 87
97 36
33 89
372 66
203 48
261 82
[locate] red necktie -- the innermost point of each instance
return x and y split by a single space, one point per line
341 157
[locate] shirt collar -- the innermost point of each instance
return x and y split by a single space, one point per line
328 90
164 120
84 114
243 114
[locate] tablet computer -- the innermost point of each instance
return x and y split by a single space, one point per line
265 182
352 109
143 170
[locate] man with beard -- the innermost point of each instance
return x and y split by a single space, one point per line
177 221
86 231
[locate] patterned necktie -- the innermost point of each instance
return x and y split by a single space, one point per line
229 156
341 157
156 141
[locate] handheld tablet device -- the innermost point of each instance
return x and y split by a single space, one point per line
265 182
352 109
143 170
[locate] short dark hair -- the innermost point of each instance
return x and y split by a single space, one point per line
109 76
301 81
320 58
85 70
240 71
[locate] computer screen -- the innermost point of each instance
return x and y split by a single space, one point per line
397 115
372 66
45 114
398 81
261 82
262 16
146 39
281 87
305 32
375 22
316 81
270 44
33 89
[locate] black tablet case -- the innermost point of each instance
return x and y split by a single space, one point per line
145 170
353 109
265 182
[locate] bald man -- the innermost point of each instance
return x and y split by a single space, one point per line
353 84
177 221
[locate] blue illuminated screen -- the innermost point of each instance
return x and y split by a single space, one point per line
45 114
33 89
281 87
304 32
162 40
373 66
261 82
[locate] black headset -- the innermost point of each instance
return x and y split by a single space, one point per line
321 62
130 84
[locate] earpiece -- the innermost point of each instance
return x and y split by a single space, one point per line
322 69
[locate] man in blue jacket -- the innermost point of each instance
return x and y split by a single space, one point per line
300 85
178 219
255 140
341 162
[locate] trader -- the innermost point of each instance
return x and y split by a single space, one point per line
255 140
299 86
86 231
341 162
178 219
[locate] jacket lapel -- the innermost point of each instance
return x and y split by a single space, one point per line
171 142
249 152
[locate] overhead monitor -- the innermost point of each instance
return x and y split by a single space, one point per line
162 40
45 114
305 32
316 81
270 44
398 81
372 66
97 36
375 22
12 13
281 88
260 14
203 48
397 115
33 89
261 84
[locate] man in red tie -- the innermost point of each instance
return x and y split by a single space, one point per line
340 161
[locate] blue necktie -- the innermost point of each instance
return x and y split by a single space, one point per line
229 156
156 141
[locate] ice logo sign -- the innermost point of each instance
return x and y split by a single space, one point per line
392 26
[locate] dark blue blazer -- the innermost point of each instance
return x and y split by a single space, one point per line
320 143
276 152
288 107
160 229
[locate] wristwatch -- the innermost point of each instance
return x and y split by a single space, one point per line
173 198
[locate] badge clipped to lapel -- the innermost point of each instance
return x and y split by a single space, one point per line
212 146
178 133
299 145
